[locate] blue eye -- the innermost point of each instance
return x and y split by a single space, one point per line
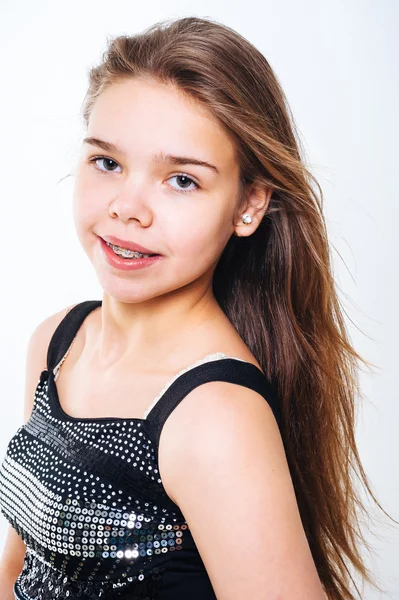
185 180
109 165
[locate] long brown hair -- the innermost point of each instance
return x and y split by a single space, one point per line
275 286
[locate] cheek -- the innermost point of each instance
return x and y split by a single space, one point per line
86 202
200 241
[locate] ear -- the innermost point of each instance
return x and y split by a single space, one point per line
256 205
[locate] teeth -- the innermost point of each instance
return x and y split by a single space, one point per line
127 253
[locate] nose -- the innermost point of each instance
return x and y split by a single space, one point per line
129 204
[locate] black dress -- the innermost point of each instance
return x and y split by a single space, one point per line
86 496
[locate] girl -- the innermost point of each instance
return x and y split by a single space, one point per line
190 435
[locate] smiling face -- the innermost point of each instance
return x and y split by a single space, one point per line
128 186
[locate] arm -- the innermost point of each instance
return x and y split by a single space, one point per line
227 471
11 563
12 558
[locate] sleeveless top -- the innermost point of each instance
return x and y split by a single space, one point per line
86 496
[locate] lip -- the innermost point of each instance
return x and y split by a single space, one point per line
126 264
128 245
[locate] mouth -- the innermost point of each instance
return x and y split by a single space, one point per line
124 259
127 249
126 253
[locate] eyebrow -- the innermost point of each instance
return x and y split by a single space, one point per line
160 157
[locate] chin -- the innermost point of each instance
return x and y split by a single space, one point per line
125 291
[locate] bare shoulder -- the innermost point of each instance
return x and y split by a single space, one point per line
224 464
36 354
215 417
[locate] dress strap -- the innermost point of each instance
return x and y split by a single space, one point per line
232 370
65 333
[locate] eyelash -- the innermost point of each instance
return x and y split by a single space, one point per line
104 172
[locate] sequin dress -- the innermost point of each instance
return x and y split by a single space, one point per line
86 495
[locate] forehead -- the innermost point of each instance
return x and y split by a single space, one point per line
142 114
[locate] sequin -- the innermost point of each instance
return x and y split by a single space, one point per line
62 517
77 496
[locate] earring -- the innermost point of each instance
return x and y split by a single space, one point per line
246 219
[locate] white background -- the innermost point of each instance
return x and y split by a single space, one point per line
337 62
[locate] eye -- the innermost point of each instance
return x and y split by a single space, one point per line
108 164
185 182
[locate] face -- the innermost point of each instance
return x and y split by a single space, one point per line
128 186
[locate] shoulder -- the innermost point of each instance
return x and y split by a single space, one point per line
225 466
36 354
42 334
219 423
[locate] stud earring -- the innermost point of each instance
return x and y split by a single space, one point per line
246 219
